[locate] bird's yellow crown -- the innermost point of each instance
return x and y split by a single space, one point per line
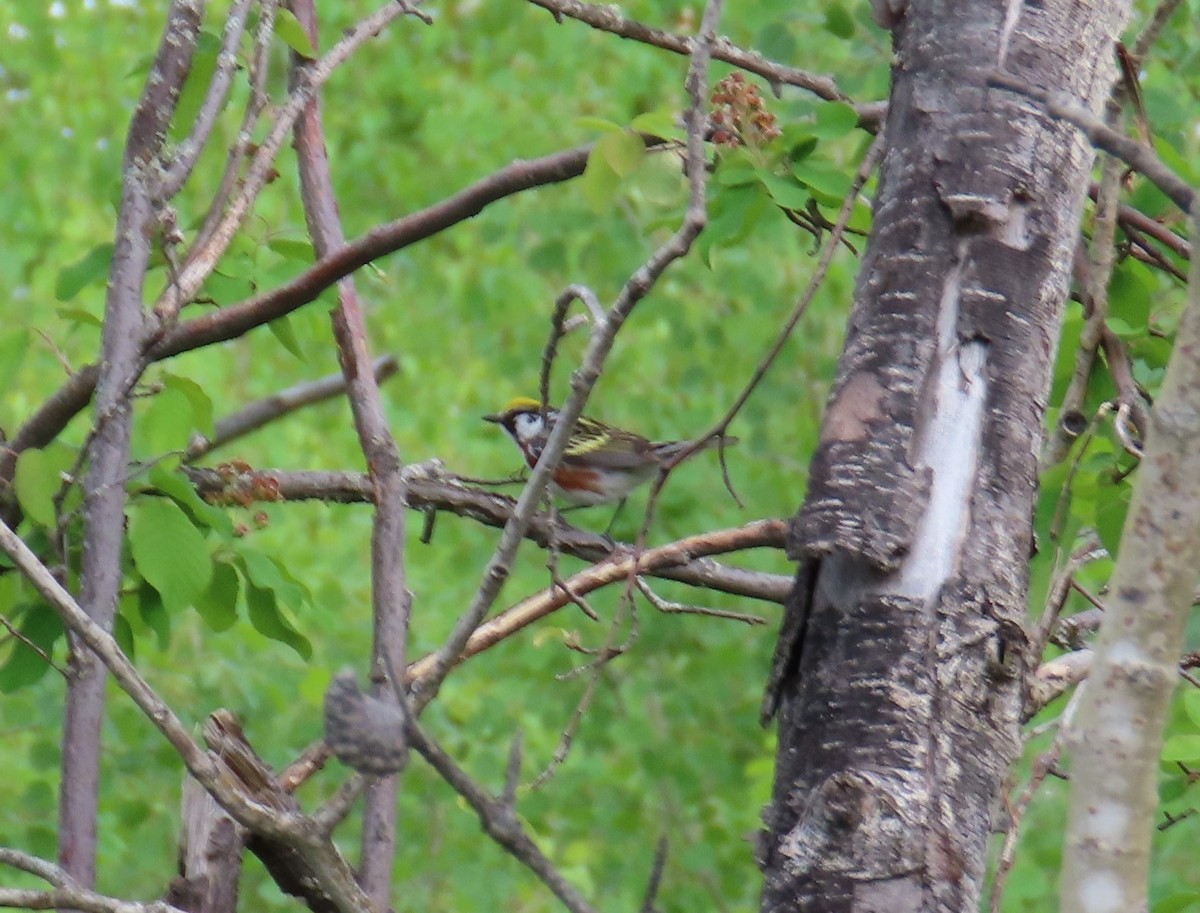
522 404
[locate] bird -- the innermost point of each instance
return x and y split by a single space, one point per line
601 464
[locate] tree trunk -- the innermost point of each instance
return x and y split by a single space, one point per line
898 675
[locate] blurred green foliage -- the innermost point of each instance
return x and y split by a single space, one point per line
255 612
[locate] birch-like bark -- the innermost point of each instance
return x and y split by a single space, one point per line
898 677
1117 733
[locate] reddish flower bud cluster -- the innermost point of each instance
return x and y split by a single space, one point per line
740 116
244 487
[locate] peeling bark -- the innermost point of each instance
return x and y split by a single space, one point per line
898 677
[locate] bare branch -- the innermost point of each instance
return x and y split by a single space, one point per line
609 19
179 169
1137 156
678 608
1045 763
79 899
34 865
431 490
1055 678
237 319
656 873
263 411
499 820
108 448
324 866
391 599
613 569
202 260
585 377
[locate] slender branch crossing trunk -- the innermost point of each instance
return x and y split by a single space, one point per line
898 676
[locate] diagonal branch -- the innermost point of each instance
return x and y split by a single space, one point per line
1136 155
325 868
584 378
263 411
609 19
237 319
615 569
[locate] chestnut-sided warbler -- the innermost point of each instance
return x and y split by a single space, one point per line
601 464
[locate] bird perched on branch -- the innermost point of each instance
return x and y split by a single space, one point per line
601 464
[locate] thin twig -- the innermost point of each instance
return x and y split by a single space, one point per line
585 377
609 19
255 415
678 608
187 153
656 874
260 61
46 657
499 820
1044 764
202 260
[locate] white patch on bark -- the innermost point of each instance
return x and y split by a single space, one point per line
1100 892
948 445
1012 13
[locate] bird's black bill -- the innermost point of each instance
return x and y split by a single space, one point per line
494 419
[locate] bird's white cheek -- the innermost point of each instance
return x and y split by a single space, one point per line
527 427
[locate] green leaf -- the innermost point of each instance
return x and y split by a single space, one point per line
202 407
787 193
80 317
599 183
282 329
38 478
166 426
598 124
839 21
288 27
298 249
91 268
268 619
39 625
1130 293
172 481
734 213
268 573
1191 705
623 151
1184 748
169 551
826 179
663 123
1183 902
775 41
13 346
217 605
123 635
835 119
736 169
154 614
195 90
1111 508
1123 328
